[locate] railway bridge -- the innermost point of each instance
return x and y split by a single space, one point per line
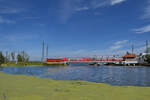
87 60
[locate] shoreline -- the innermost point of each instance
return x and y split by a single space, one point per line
21 87
33 64
64 64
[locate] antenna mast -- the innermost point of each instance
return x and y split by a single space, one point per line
47 51
132 48
43 51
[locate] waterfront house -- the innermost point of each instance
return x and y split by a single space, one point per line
130 59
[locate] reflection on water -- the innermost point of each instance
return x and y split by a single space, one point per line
139 76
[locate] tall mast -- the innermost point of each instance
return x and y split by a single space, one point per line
132 48
47 51
43 51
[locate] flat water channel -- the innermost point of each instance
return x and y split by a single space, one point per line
114 75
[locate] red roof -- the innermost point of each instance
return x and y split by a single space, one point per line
130 56
49 60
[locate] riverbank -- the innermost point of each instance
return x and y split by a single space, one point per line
36 63
20 87
21 64
13 64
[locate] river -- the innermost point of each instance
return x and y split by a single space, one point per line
114 75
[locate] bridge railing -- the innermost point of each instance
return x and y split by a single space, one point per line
85 60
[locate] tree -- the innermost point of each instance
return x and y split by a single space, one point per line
23 57
13 56
147 58
26 57
2 58
9 57
19 58
6 57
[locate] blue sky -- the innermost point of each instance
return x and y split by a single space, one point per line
74 27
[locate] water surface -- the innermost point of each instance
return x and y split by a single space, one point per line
114 75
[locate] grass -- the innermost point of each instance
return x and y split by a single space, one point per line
32 63
14 64
20 87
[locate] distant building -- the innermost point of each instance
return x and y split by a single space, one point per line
130 59
142 58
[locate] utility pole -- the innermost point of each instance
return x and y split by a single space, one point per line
132 48
47 51
42 51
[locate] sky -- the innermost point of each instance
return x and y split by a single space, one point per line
74 28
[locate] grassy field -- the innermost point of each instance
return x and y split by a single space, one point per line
14 64
20 64
19 87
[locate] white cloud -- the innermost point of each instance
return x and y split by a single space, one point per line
82 9
114 2
116 47
20 37
102 3
69 7
99 3
119 44
142 30
146 14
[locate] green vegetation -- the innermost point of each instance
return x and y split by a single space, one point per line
55 64
19 64
148 58
2 58
22 57
19 87
32 63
